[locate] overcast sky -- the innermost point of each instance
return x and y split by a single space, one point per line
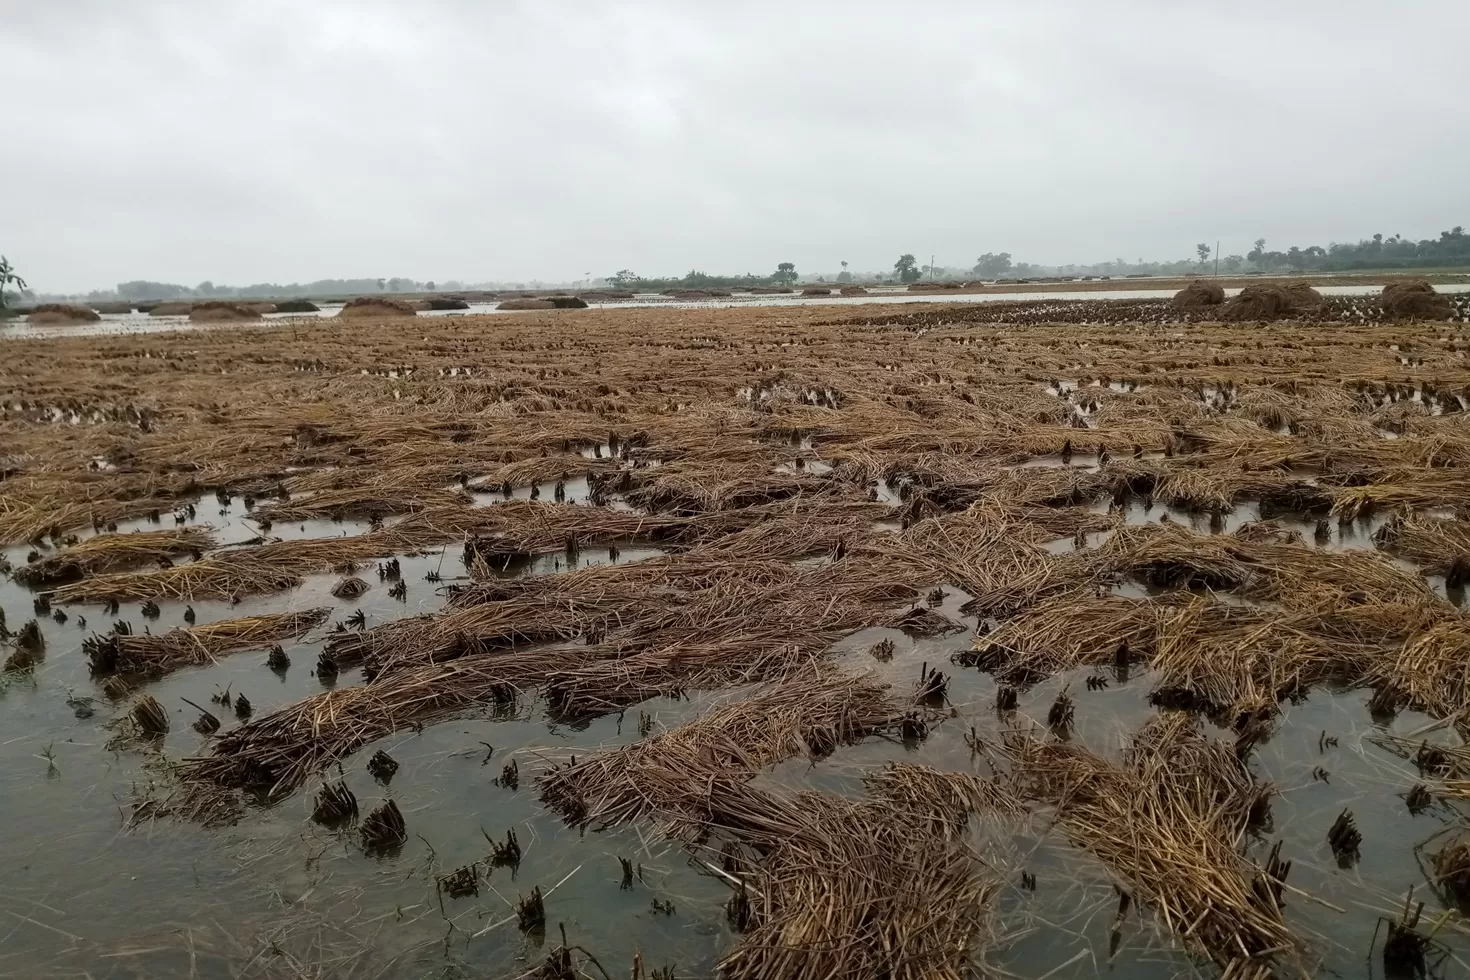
276 140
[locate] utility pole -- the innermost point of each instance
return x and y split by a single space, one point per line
1217 258
931 266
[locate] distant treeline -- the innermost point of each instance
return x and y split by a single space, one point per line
1450 250
142 289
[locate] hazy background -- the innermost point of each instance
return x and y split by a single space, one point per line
281 141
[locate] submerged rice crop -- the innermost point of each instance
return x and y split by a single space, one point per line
908 644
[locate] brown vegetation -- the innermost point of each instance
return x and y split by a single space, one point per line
799 474
61 314
228 311
377 306
155 655
1259 302
1415 298
1199 294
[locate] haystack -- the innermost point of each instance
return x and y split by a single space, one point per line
297 306
223 311
62 314
169 309
1258 302
567 302
380 306
1415 298
816 291
1199 294
447 303
692 295
854 291
1302 297
765 290
526 304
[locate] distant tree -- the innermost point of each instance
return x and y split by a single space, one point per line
1234 262
844 275
143 289
907 268
205 288
1257 253
992 266
9 278
398 284
430 285
785 273
1203 251
382 283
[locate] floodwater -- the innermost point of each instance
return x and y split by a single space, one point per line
138 323
82 895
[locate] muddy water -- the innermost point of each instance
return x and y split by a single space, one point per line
174 900
78 892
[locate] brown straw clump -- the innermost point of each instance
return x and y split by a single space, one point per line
1432 671
224 311
111 552
1258 302
335 804
170 309
811 713
1235 657
1066 632
383 830
1198 295
526 303
1302 297
1170 556
281 750
853 888
1169 820
1415 298
377 306
349 588
149 717
272 567
1439 546
1452 868
156 655
62 314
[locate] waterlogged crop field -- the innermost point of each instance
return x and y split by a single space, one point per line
762 642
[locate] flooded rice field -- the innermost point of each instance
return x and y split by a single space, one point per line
737 642
1058 304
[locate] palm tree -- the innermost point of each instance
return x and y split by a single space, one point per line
7 278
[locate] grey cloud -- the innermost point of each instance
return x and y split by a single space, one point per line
247 141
